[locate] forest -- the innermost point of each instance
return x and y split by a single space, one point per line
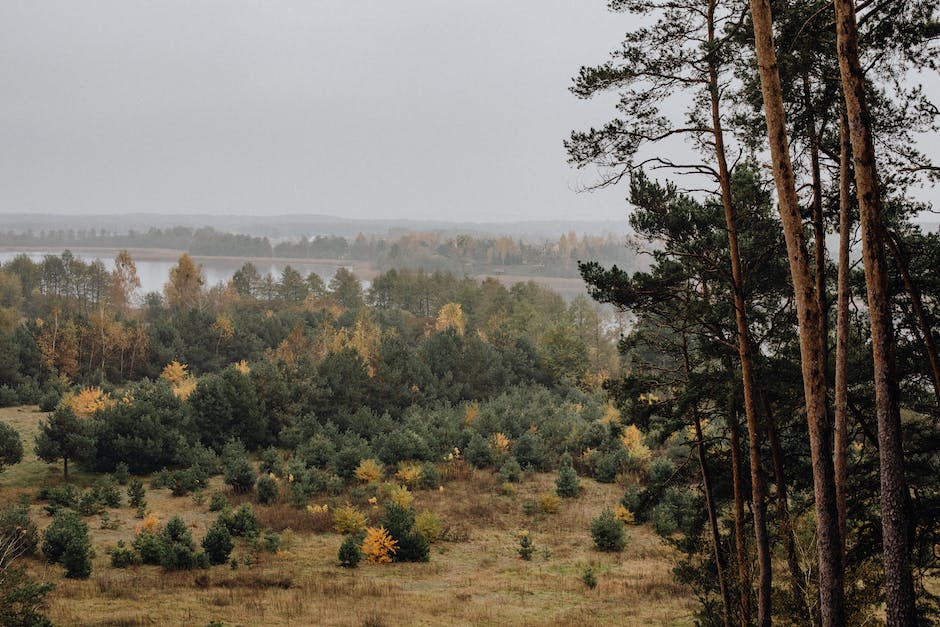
753 439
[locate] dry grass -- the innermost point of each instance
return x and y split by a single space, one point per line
477 580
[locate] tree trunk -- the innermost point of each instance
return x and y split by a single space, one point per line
811 341
740 542
783 512
720 565
899 584
65 468
841 406
917 305
819 225
758 502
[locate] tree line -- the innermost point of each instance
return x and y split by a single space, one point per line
429 251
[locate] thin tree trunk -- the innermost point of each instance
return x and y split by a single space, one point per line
832 599
841 405
819 225
783 511
65 468
758 502
720 565
740 542
899 583
917 305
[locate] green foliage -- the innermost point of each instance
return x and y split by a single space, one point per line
63 436
350 551
242 523
430 477
478 452
607 532
271 462
122 556
589 578
136 494
267 489
66 528
22 599
567 485
177 550
150 547
226 405
217 502
510 471
237 470
89 504
218 543
526 547
106 491
152 431
400 522
122 473
11 448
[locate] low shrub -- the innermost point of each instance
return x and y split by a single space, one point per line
607 532
350 551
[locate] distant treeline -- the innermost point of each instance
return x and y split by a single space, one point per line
429 251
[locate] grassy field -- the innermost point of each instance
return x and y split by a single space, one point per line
474 579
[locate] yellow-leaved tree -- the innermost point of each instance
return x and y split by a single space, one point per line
185 288
451 316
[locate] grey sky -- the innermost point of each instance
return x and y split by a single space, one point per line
439 109
359 108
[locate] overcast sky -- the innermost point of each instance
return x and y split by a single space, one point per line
440 109
359 108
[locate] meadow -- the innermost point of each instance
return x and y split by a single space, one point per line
474 576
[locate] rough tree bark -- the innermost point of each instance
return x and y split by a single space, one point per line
841 404
831 593
899 584
758 501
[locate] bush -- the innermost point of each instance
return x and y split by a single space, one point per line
430 477
217 502
11 447
412 546
218 543
549 503
350 552
242 523
429 525
149 546
510 471
178 551
608 532
267 489
136 493
15 523
237 470
271 542
77 557
63 496
348 520
271 462
369 471
478 452
88 504
122 473
123 557
22 599
589 578
567 484
66 528
107 492
526 547
401 496
49 400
